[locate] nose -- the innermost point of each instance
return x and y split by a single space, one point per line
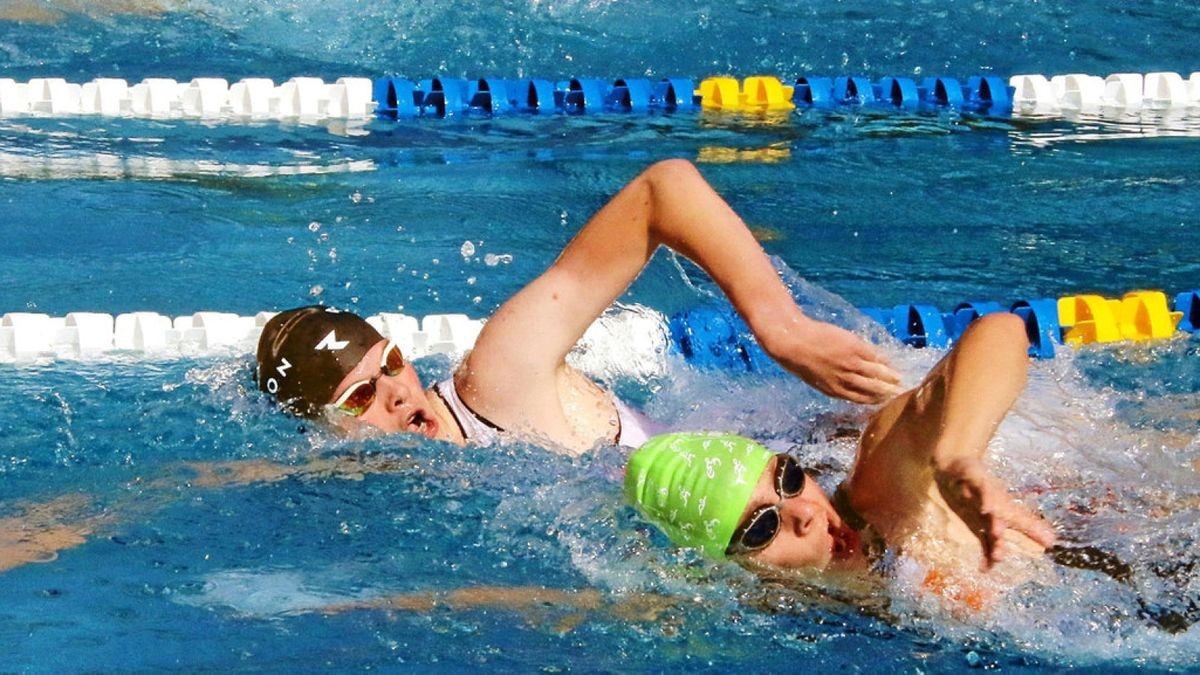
391 391
802 515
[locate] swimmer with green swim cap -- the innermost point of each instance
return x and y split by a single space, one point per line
918 483
698 486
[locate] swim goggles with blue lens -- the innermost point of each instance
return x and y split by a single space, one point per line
360 395
759 528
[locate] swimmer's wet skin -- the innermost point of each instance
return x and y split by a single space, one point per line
918 482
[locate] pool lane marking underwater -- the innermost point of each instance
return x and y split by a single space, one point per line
706 336
311 99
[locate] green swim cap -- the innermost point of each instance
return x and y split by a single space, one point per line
695 485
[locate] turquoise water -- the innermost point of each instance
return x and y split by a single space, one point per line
860 208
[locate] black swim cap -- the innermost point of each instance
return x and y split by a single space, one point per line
304 353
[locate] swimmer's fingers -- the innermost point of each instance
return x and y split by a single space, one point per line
872 382
978 499
880 370
993 527
834 361
1032 525
865 376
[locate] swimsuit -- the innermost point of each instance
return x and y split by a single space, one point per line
633 428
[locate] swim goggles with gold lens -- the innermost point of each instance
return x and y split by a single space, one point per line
360 395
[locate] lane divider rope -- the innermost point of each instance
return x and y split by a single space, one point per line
310 99
706 336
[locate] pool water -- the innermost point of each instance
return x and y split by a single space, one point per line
859 207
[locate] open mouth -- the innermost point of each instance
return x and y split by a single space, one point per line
419 422
845 542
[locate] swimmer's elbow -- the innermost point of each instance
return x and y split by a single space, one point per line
1011 326
670 171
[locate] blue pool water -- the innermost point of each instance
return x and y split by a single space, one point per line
860 208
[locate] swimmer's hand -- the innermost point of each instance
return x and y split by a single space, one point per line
833 360
985 505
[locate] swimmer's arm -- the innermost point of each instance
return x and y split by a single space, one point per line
938 433
669 204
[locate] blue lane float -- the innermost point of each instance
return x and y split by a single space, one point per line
716 337
944 91
675 93
490 95
813 91
1188 304
853 90
900 92
920 326
444 97
395 97
632 95
532 96
990 92
1041 325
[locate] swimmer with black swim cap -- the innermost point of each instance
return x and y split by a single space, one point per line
516 377
320 362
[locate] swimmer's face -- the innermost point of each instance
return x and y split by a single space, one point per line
811 533
400 404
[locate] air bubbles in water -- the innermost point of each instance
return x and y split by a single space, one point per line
467 250
314 226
